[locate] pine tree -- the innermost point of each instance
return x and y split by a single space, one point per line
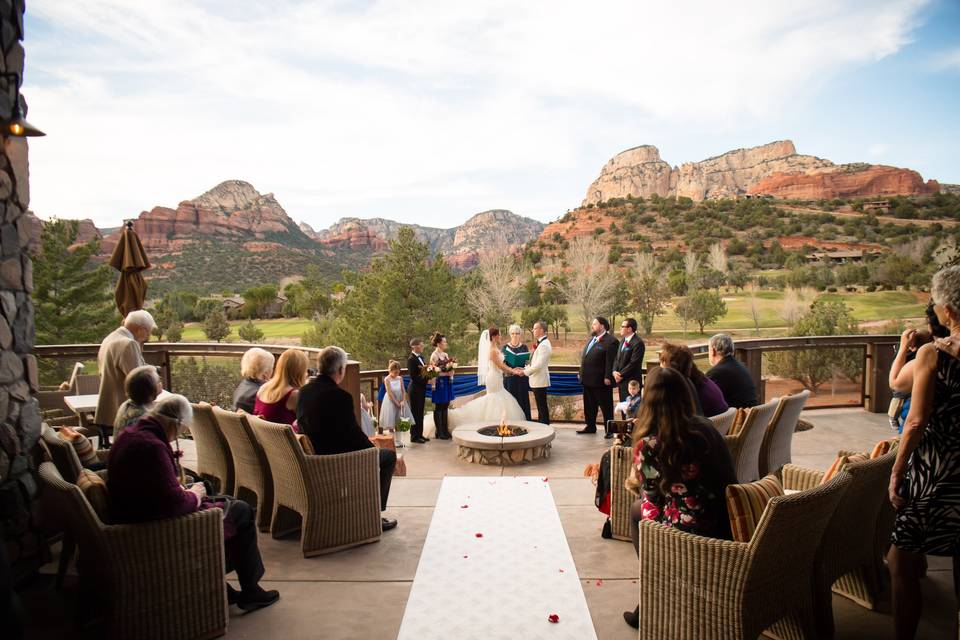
216 327
73 297
403 295
250 332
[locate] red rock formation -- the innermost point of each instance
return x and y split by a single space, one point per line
846 181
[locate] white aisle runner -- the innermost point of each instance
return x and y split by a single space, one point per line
504 583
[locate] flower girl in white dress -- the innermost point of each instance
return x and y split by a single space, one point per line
393 406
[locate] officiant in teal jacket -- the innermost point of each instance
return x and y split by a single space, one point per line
516 355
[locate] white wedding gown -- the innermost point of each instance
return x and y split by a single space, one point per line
488 408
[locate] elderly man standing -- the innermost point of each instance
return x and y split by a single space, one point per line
729 374
325 415
120 353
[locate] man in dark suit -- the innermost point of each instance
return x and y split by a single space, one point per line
731 376
596 374
325 415
629 362
417 390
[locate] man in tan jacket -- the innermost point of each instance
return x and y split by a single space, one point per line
120 353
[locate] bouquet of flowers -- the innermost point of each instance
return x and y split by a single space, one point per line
403 425
429 371
447 365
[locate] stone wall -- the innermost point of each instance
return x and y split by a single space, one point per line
19 412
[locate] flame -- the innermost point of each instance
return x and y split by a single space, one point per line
503 430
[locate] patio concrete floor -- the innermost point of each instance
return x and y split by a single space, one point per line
362 592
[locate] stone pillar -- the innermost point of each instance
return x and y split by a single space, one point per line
19 411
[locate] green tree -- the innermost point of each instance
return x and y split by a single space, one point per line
813 367
175 332
405 294
250 332
72 296
182 303
738 278
677 282
256 300
702 307
321 333
165 317
650 292
204 307
216 327
309 297
531 292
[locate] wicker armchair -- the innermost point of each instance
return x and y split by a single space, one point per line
848 542
621 499
214 461
745 444
335 497
252 475
777 444
723 421
62 453
695 587
54 411
161 580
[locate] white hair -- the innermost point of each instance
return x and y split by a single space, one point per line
256 363
515 328
174 407
945 290
722 344
331 360
140 318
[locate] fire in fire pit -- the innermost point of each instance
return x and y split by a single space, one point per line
502 431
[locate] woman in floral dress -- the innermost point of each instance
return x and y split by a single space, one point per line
682 464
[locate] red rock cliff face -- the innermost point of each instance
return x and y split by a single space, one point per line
231 210
844 182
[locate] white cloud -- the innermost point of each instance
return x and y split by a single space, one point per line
947 60
333 106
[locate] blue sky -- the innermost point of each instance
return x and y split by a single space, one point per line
428 111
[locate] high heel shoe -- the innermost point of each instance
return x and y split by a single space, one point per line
632 618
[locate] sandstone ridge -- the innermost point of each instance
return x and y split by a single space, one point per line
774 169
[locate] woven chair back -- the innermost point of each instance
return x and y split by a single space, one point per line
777 448
63 454
67 501
87 385
286 460
213 453
850 533
750 436
723 421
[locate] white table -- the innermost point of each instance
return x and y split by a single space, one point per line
84 404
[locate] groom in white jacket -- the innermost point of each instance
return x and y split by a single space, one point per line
538 372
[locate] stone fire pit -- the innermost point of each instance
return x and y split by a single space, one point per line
474 446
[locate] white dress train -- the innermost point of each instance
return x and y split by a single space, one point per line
490 407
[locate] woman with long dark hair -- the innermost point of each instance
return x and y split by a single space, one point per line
708 399
443 386
682 464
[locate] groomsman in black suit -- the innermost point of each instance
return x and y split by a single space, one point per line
417 390
596 374
629 363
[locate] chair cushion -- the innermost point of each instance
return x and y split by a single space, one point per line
884 447
746 502
95 490
738 421
305 444
840 463
83 447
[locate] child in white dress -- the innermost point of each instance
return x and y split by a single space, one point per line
394 400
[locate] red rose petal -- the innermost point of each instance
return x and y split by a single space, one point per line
479 535
464 506
553 618
546 479
562 571
466 556
599 583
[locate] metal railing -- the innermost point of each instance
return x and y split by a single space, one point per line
209 370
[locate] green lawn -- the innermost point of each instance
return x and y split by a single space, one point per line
867 307
281 328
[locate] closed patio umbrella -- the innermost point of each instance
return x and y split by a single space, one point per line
130 260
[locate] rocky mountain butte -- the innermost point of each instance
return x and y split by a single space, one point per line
774 169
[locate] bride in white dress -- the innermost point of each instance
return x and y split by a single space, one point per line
497 402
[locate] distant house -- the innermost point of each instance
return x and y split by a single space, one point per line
880 206
232 304
836 257
275 308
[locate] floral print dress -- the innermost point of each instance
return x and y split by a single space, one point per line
696 502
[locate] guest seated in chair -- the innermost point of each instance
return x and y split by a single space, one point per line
682 464
256 367
277 398
142 385
707 397
143 478
325 415
731 376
